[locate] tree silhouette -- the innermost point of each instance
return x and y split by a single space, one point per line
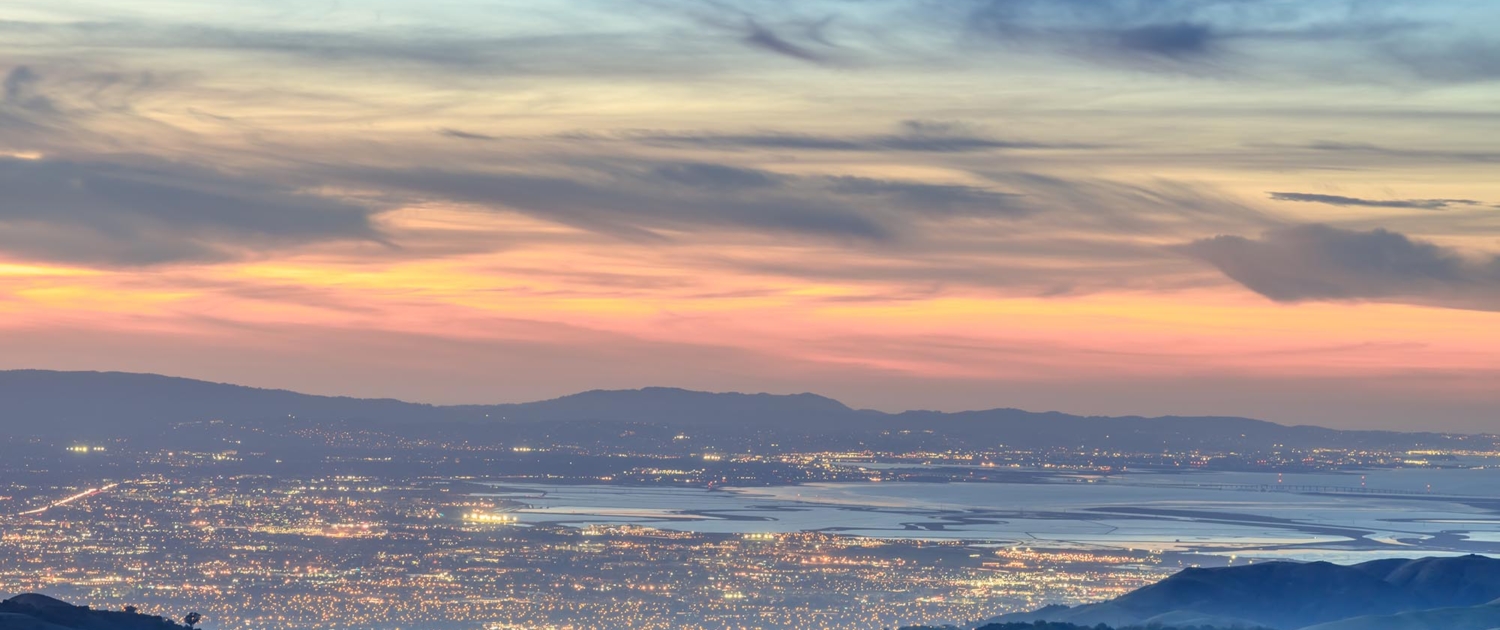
192 619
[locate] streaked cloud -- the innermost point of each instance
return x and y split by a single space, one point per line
762 37
1428 42
651 200
19 90
1340 200
1407 154
916 136
1165 29
141 211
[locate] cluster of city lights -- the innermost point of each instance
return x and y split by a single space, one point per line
489 517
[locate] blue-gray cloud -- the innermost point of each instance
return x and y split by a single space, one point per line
20 91
914 136
466 135
1429 41
1450 57
1372 150
644 201
1112 30
1340 200
142 211
765 38
1321 262
775 32
24 109
440 54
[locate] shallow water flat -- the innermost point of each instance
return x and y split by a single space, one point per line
1205 512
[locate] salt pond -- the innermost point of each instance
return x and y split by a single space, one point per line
1183 512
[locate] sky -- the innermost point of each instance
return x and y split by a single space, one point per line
1286 209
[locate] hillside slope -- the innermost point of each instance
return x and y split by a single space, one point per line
1292 595
39 612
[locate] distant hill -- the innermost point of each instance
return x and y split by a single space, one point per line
1427 594
114 402
39 612
119 400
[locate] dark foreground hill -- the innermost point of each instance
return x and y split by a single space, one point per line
1427 594
1051 625
39 612
126 404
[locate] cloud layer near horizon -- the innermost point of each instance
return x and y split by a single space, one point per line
957 194
1319 262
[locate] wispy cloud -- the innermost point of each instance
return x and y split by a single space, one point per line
769 28
1165 29
915 136
143 211
760 36
1403 153
465 135
1339 200
19 91
1449 57
414 53
649 200
1421 41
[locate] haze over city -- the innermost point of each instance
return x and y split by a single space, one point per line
1284 210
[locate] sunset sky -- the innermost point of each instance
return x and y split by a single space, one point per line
1287 209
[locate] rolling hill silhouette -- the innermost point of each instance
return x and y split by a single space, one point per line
39 612
1455 593
114 402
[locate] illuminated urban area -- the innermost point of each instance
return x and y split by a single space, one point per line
363 533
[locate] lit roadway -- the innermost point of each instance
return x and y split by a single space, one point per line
61 502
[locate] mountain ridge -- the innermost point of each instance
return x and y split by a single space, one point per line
124 401
6 377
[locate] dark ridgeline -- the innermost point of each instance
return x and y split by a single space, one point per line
129 404
1053 625
39 612
1458 593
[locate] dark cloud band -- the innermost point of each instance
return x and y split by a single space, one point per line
1339 200
144 211
1321 262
